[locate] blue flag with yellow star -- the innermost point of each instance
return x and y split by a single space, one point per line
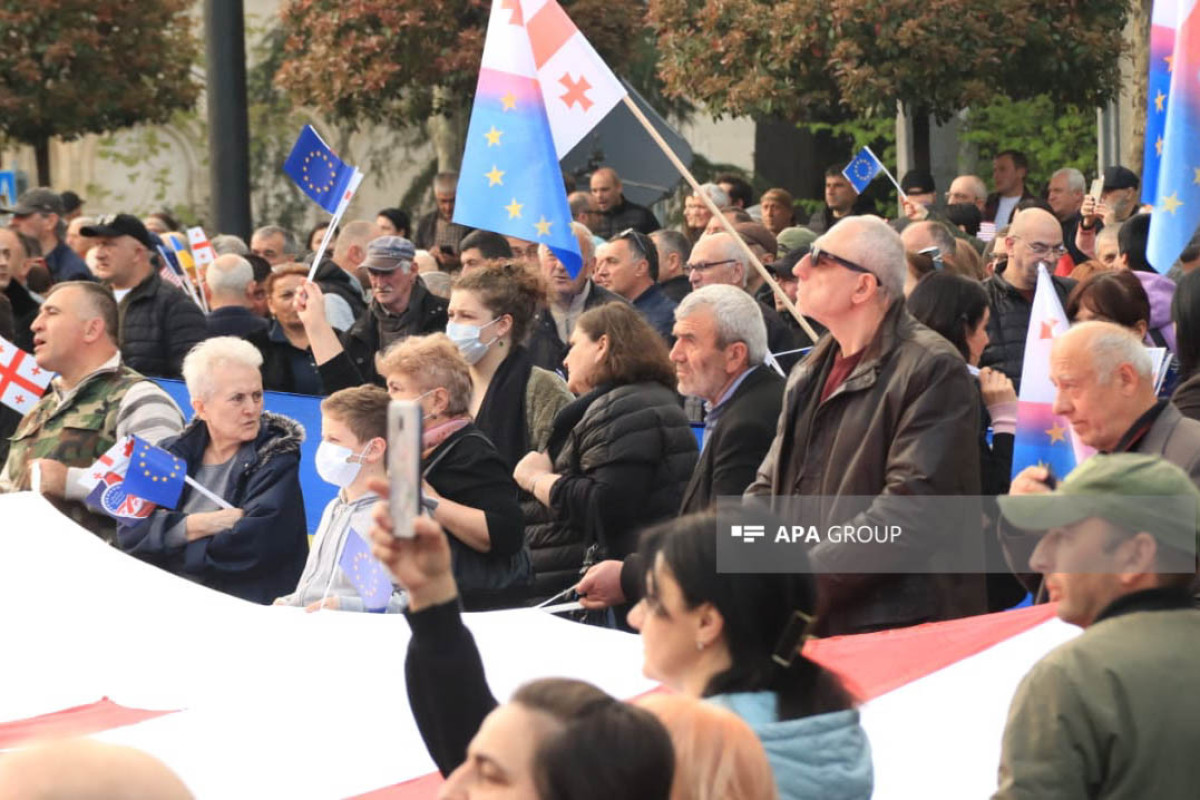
510 182
369 577
1177 191
154 475
862 170
317 170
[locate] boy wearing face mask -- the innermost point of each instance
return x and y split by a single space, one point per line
352 452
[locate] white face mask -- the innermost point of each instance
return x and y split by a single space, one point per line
466 338
334 464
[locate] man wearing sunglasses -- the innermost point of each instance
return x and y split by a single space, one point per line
1034 237
881 407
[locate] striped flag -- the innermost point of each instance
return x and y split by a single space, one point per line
22 381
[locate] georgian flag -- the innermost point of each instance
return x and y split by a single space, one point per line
22 381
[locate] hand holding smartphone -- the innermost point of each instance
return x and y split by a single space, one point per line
404 465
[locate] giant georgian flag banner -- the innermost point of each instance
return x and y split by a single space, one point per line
248 701
541 89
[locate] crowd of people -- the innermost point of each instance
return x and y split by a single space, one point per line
579 430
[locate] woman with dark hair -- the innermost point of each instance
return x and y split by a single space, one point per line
618 457
1185 311
734 640
1115 296
557 739
394 222
313 240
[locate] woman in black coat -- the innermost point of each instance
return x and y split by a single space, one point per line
619 457
250 459
465 478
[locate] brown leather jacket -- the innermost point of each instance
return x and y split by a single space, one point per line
904 422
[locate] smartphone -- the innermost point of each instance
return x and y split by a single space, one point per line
1097 188
404 465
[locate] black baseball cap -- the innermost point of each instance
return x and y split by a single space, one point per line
918 181
36 201
1120 178
111 225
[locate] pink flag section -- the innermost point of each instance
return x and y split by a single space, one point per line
578 87
22 381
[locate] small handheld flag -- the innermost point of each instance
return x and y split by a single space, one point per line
202 249
369 577
863 169
154 474
318 171
22 381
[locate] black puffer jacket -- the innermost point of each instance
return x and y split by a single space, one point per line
1009 323
159 325
626 454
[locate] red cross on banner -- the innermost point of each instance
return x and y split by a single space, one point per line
22 381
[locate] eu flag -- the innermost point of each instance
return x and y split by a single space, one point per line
862 170
154 474
369 577
1177 193
510 181
318 171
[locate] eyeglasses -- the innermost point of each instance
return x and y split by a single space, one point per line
1042 249
640 241
815 254
704 266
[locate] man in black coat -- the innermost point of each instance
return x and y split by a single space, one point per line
720 345
400 307
617 213
159 323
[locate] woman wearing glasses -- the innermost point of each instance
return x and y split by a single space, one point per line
619 457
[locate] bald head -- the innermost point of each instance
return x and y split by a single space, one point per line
228 279
1034 237
720 260
606 188
80 769
351 248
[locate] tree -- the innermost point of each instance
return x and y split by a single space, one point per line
71 67
805 60
401 62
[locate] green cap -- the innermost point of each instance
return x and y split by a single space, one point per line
1137 492
795 238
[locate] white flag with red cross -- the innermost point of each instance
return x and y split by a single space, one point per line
22 381
578 88
202 250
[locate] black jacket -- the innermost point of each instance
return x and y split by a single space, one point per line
738 441
159 325
262 555
334 280
355 365
625 455
426 232
823 219
677 288
992 205
625 214
543 344
24 308
1009 324
235 321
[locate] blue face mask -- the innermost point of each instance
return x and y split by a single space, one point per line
466 339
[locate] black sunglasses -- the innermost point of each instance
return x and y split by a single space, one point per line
815 254
640 240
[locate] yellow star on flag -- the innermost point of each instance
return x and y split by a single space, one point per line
494 176
1159 99
514 209
543 227
1158 146
509 101
1056 433
1170 63
1196 177
1171 202
493 136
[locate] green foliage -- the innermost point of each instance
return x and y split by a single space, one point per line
1051 135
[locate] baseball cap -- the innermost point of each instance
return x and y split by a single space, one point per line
389 253
111 225
1120 178
757 233
36 201
795 238
918 181
1115 488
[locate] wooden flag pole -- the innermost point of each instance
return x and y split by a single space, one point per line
716 212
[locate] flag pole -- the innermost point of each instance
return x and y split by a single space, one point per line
333 222
206 492
887 172
716 212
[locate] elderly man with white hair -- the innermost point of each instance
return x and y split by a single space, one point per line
229 285
248 457
881 407
718 259
720 344
1104 381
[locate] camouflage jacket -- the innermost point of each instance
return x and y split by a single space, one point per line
75 432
